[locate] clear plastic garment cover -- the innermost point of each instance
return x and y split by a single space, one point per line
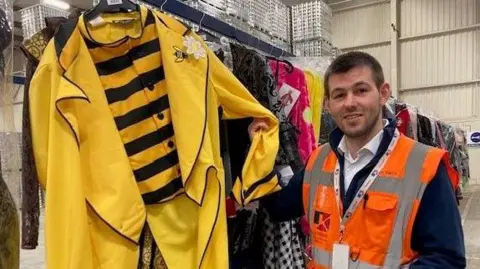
9 146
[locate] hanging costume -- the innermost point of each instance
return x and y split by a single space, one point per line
301 114
315 95
9 229
33 49
425 134
255 240
281 243
5 39
89 156
253 71
9 226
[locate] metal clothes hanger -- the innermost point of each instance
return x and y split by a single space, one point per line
161 7
200 23
271 50
290 67
111 6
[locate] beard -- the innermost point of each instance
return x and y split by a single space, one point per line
365 129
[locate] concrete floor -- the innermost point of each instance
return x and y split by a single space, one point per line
34 259
469 208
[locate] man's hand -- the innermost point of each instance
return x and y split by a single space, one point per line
256 126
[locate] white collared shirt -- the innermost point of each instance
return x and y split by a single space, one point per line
364 156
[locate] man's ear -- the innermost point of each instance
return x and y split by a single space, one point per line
385 93
327 104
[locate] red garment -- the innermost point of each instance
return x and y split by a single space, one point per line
230 207
403 121
305 226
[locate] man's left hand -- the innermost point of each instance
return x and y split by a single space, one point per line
256 126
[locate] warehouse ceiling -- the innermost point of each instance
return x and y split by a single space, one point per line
85 4
293 2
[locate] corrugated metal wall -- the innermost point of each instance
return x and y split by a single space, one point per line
364 29
439 53
445 61
346 30
440 61
427 16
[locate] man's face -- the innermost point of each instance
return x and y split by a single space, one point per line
355 102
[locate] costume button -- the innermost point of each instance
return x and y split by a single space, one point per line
171 144
151 87
161 116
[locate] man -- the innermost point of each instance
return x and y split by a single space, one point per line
373 198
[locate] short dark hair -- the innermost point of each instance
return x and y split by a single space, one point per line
350 60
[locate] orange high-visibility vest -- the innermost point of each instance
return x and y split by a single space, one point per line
380 230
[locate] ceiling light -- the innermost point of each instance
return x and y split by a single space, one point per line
57 3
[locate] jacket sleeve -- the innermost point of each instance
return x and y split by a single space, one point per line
437 232
40 111
286 204
258 177
30 197
57 160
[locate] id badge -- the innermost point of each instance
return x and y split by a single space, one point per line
341 256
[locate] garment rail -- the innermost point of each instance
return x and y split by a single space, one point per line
187 12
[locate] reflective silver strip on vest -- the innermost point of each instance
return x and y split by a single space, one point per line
411 190
324 259
311 178
408 189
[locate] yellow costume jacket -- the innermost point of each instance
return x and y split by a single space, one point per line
94 210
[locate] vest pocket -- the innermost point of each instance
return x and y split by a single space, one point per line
324 223
379 213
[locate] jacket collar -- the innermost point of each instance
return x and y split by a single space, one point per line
371 147
96 34
69 40
336 138
187 96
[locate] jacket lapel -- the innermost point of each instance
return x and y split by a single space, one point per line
188 92
70 94
187 83
82 103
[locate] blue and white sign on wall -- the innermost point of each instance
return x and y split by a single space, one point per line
473 138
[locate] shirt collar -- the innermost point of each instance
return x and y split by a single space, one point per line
371 146
116 37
